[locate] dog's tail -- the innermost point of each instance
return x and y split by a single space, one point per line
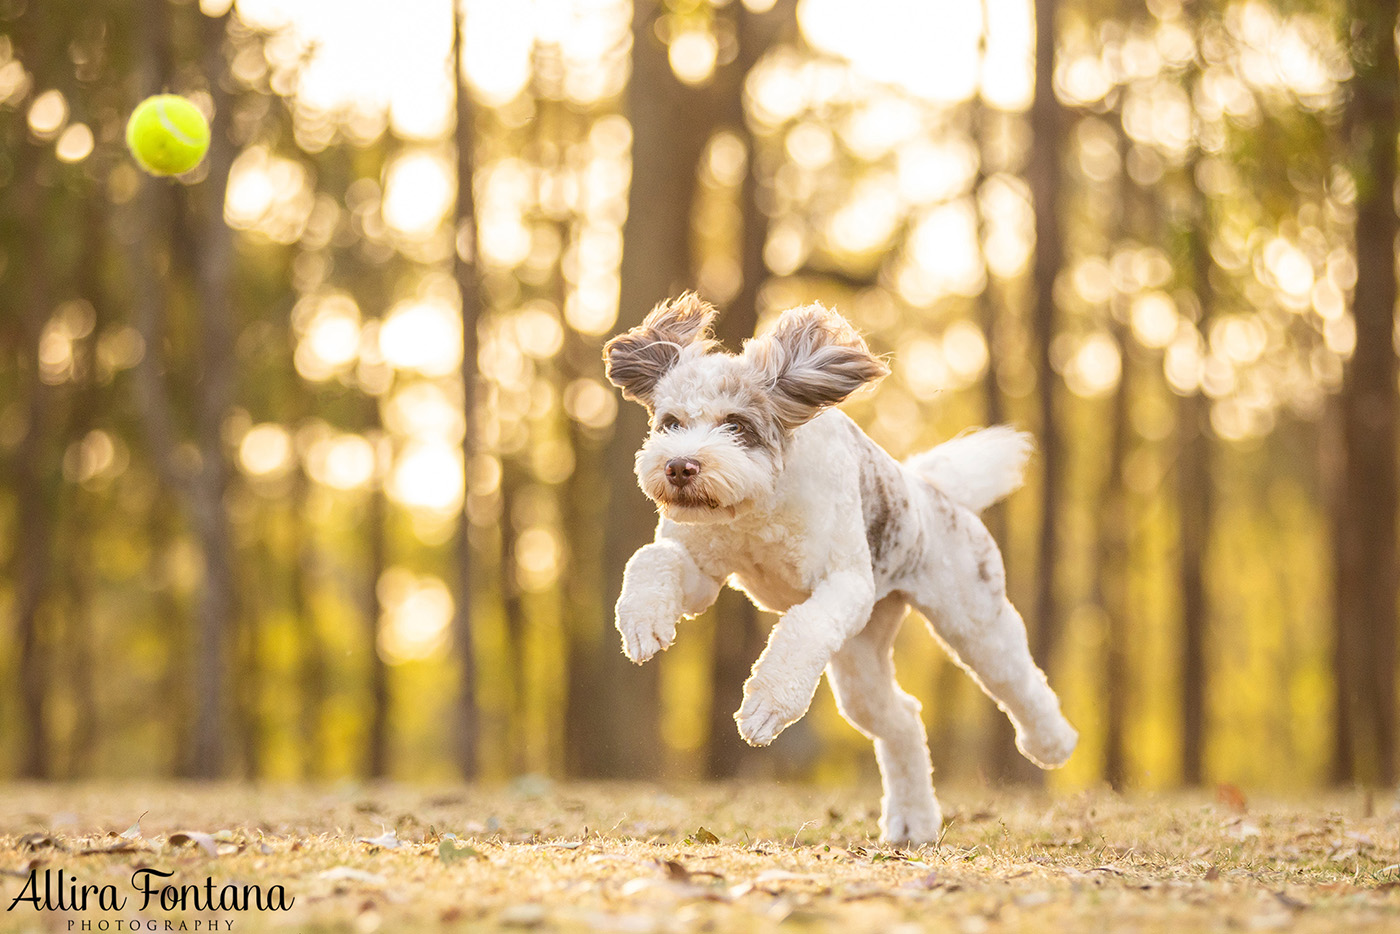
977 468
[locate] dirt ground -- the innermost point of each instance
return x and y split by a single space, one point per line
536 855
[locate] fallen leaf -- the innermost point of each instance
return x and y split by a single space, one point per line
134 831
704 836
121 846
1231 796
675 870
195 838
449 852
388 840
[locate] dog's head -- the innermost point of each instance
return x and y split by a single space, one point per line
721 422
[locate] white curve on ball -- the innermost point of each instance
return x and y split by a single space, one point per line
171 128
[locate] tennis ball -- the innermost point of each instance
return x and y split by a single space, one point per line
167 134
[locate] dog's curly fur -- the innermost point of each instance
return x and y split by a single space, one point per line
762 484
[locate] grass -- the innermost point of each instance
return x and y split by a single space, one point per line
634 858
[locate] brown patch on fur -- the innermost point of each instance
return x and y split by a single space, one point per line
946 509
745 396
875 501
989 564
636 361
811 359
884 503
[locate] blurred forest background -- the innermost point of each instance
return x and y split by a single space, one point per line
310 468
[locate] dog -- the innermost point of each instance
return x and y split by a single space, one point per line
761 483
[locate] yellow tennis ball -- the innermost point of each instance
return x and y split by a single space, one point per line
167 134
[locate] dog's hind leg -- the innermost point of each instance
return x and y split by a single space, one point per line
862 677
966 607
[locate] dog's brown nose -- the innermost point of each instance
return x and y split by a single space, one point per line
681 470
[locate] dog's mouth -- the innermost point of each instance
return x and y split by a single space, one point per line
689 502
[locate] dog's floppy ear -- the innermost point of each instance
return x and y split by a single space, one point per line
812 359
636 361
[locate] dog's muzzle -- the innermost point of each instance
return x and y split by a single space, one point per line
681 470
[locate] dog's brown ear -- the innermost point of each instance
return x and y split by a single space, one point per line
636 361
812 359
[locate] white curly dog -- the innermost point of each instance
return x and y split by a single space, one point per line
760 484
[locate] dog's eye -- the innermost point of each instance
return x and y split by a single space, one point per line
668 423
743 428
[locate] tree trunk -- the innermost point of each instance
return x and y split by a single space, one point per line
1194 506
739 633
619 732
377 742
1111 575
1346 660
33 482
515 663
1135 217
1044 173
150 217
91 404
1195 479
213 257
586 518
466 725
1366 573
311 666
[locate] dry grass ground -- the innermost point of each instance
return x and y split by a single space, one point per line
770 858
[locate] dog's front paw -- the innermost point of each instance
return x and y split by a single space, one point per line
768 710
647 625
